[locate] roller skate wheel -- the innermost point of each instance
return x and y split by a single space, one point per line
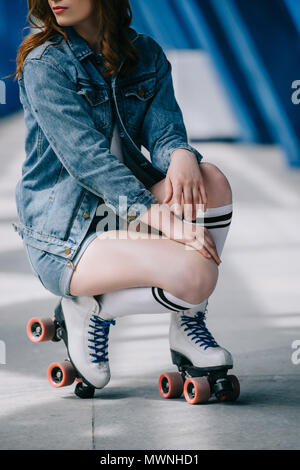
236 386
40 329
235 393
170 385
61 374
84 391
196 390
228 389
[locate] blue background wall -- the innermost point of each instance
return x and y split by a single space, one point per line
12 20
254 46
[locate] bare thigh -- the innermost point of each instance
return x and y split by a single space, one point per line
117 263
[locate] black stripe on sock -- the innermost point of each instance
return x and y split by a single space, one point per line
160 302
217 226
164 299
218 218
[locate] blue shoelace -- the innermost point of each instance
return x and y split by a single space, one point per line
99 330
198 330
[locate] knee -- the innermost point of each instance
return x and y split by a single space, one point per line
215 179
198 280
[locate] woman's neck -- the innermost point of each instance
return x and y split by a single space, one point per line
90 32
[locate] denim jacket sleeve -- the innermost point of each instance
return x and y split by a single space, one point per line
169 132
82 149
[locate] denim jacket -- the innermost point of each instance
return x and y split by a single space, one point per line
68 111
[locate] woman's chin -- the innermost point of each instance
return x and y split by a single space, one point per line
64 22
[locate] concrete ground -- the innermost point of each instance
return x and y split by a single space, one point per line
254 312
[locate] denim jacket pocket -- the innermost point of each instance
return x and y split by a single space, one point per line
137 98
98 99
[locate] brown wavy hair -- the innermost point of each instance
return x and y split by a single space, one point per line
114 18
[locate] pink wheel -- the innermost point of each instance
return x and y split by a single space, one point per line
170 385
196 390
61 374
40 329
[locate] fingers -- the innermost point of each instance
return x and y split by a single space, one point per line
209 238
210 246
194 197
203 195
213 253
198 241
168 190
196 202
205 253
205 244
188 202
176 204
198 246
205 250
185 203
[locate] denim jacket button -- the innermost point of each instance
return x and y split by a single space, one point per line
133 215
67 251
86 215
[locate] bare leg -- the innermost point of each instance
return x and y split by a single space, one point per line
113 264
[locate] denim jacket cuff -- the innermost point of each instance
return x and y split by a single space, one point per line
187 147
165 163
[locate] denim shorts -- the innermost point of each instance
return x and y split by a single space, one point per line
55 272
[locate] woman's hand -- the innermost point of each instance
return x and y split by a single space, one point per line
185 193
194 236
170 226
184 185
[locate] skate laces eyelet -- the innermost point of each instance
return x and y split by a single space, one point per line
198 330
99 332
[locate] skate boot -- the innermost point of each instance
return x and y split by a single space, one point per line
202 363
79 324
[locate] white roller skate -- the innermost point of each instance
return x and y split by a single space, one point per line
79 324
202 363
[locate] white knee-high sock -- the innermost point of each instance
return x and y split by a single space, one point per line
217 220
139 300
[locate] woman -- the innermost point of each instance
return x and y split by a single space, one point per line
109 231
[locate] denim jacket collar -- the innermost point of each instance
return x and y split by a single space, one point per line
81 48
